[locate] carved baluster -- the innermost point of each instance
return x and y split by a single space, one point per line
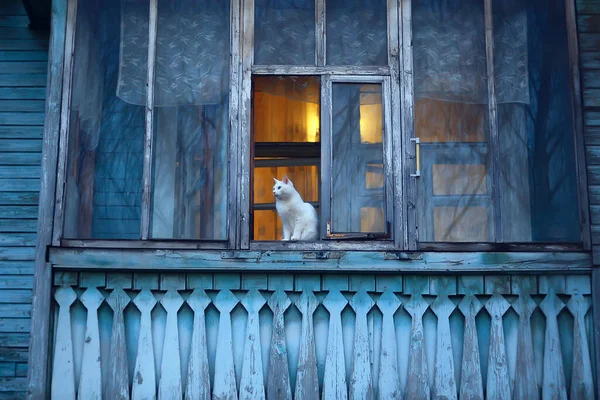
471 383
526 386
389 384
582 383
361 386
144 375
553 385
198 378
498 381
251 384
63 374
170 367
444 384
307 380
118 375
334 380
224 384
417 386
90 381
279 376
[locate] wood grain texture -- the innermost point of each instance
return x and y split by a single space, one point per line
553 385
251 384
334 379
63 375
471 383
526 385
198 378
169 386
118 375
498 381
444 382
224 387
307 380
417 386
278 386
389 383
90 381
582 381
361 385
144 374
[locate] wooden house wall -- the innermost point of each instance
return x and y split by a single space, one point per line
23 64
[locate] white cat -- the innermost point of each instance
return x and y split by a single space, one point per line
299 219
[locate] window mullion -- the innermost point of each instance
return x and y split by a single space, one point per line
320 35
149 125
326 153
493 121
65 118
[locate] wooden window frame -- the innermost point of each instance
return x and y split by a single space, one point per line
399 102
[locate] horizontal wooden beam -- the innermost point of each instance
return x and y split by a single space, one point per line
359 261
324 70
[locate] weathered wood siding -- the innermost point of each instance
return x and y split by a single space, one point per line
588 24
248 335
23 64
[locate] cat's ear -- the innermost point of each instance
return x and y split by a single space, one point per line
285 179
275 179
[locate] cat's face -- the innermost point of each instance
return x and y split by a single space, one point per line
282 189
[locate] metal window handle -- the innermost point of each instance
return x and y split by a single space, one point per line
418 154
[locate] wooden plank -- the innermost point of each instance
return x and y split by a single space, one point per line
582 381
15 311
22 93
278 376
16 185
20 33
320 35
361 386
254 281
10 325
307 380
117 386
21 118
471 383
591 97
90 381
15 296
227 281
12 8
498 382
7 369
252 381
17 225
22 145
172 281
31 67
21 132
389 383
392 282
92 279
553 385
198 378
444 383
497 284
596 324
16 282
13 20
334 379
20 159
281 282
13 354
16 253
224 381
552 283
589 23
589 42
417 382
31 44
22 55
63 375
21 172
144 385
21 106
170 384
16 268
326 148
17 239
335 282
12 340
526 385
361 282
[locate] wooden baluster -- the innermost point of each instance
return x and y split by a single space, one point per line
582 383
252 383
361 385
144 375
198 378
224 383
417 386
307 380
169 385
471 383
279 375
498 381
334 380
553 385
389 383
90 381
63 374
444 384
118 375
526 386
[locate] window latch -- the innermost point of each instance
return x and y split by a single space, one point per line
417 142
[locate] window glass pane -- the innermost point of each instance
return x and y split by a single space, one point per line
535 122
356 32
357 197
189 199
451 120
286 132
104 171
284 32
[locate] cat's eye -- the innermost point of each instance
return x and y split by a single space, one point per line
278 187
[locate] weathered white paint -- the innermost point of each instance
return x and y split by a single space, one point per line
279 375
582 381
198 379
307 380
498 381
169 386
471 383
144 375
334 381
90 381
553 385
361 386
63 375
118 375
251 385
444 384
526 386
417 386
389 384
224 383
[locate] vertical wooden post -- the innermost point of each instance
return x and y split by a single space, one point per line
596 324
37 377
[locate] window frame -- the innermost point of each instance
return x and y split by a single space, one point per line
401 155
